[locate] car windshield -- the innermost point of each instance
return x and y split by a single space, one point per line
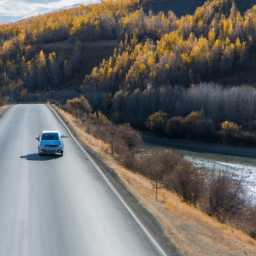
50 136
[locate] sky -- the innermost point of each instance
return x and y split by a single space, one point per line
14 10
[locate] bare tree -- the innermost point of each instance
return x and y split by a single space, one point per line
225 195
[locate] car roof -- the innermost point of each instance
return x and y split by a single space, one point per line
50 132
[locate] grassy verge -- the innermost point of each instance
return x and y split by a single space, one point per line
3 109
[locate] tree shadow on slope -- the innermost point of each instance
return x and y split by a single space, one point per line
184 7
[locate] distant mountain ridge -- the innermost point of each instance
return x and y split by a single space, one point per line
183 7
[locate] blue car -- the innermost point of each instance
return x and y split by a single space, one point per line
50 142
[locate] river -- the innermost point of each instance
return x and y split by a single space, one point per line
240 161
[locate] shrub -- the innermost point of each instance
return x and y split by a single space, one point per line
157 166
175 127
129 137
192 126
225 196
229 127
247 139
79 107
187 182
205 130
249 225
159 162
191 123
157 122
193 117
125 142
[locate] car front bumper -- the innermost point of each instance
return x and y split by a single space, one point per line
50 150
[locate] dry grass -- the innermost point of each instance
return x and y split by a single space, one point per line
192 231
3 109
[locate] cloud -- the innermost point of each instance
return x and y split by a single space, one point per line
13 10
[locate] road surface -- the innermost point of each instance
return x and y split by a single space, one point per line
57 205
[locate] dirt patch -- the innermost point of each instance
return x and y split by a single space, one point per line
189 231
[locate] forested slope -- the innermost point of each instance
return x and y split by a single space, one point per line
150 81
24 64
184 7
157 78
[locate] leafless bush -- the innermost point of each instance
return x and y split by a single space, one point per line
158 163
125 155
169 169
99 126
225 196
79 107
175 127
187 182
249 225
157 122
123 140
129 137
156 166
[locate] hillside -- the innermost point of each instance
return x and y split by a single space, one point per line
154 71
180 8
91 55
186 77
184 7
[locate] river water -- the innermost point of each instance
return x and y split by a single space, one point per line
14 10
241 162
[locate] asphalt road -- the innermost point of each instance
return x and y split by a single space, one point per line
57 205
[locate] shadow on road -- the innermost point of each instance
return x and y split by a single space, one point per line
36 157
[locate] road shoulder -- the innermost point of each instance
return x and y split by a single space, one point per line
3 109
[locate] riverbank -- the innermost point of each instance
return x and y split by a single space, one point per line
211 151
240 161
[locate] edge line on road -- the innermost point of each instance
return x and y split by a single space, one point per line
144 229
